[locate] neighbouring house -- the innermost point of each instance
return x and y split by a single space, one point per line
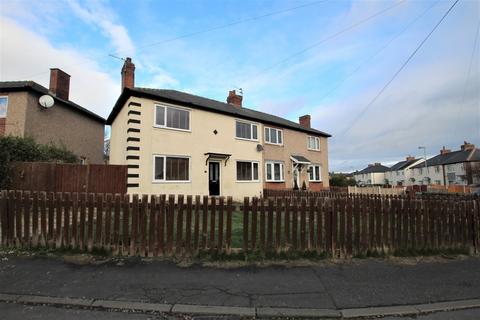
372 175
399 174
461 167
65 123
178 143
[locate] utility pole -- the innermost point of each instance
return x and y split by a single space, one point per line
425 157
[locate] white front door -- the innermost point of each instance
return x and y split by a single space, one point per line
296 176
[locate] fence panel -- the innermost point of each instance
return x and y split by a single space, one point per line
158 226
61 177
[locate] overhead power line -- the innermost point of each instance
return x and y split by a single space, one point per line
368 105
227 25
385 46
465 86
191 34
330 37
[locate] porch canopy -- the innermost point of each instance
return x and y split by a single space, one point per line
299 159
217 156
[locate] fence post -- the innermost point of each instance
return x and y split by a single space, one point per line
254 222
229 224
278 225
4 216
246 202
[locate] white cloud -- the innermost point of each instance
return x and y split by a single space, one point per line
22 51
95 13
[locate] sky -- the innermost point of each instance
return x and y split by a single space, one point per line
329 59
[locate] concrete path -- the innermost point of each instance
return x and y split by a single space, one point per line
326 286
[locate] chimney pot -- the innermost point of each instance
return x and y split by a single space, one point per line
467 146
234 99
378 164
305 121
444 150
128 74
59 83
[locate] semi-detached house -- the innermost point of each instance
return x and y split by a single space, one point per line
178 143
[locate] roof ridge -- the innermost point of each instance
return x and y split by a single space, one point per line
217 106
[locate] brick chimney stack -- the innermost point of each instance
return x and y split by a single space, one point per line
378 164
370 165
234 98
59 83
128 74
445 151
305 121
410 158
467 146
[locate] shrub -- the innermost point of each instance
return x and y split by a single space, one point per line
18 149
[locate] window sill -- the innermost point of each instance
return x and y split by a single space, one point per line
275 181
245 139
274 144
248 181
168 182
315 181
316 150
173 129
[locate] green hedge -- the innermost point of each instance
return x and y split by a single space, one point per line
18 149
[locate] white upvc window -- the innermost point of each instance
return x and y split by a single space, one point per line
3 106
274 171
313 143
247 171
315 173
246 130
170 117
273 136
171 168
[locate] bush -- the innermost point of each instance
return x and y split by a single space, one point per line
18 149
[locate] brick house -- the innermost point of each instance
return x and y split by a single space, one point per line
65 123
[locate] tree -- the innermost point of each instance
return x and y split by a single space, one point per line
341 180
18 149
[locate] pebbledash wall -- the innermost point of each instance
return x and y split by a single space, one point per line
59 125
135 140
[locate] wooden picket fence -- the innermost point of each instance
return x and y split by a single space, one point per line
160 225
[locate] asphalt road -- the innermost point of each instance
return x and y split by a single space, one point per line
21 312
333 286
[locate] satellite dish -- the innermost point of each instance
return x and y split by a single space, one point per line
259 147
46 101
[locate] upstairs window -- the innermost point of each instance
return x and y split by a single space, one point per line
314 143
247 171
273 136
315 173
172 118
3 107
246 130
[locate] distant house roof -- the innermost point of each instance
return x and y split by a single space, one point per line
8 86
376 168
208 105
402 164
451 158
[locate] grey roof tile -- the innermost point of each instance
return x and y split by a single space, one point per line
208 105
7 86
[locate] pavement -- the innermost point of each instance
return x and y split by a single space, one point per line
353 289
